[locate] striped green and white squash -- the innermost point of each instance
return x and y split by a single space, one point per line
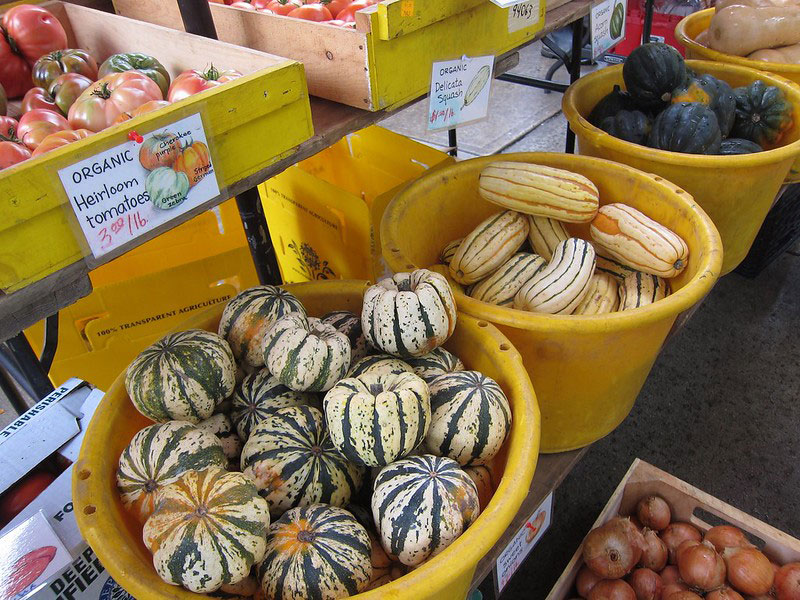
502 285
435 363
222 427
470 417
243 590
483 477
421 504
305 354
261 394
562 284
409 314
208 530
349 324
158 455
488 246
375 419
183 376
449 251
379 364
602 297
292 461
640 289
249 315
317 552
613 267
545 234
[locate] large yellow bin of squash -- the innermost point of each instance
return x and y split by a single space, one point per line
586 370
116 538
736 191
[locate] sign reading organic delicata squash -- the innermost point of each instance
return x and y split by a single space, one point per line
126 191
459 91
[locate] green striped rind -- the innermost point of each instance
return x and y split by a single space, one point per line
502 285
640 289
158 455
375 419
421 504
379 364
182 376
349 324
449 251
602 297
318 552
559 288
305 354
248 317
292 461
222 427
208 529
470 417
409 314
545 234
613 267
435 363
261 394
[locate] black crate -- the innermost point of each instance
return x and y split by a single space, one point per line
780 230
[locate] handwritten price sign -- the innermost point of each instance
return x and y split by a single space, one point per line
459 91
522 16
129 224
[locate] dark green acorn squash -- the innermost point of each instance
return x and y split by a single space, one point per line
739 146
610 105
651 72
631 126
688 127
763 115
714 93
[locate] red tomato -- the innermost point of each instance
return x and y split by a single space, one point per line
243 4
340 23
8 128
3 101
101 103
141 110
311 12
194 161
37 124
22 493
265 11
189 83
15 73
348 14
35 31
61 138
336 6
67 88
283 7
37 97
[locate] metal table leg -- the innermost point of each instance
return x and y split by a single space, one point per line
575 71
30 366
648 21
452 141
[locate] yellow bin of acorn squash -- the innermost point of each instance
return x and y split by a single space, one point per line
736 191
586 370
687 32
116 538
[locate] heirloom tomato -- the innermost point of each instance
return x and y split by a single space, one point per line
12 153
194 161
50 66
136 61
15 73
61 138
189 83
143 109
37 97
283 7
33 31
3 101
101 103
37 124
8 128
67 88
159 150
348 13
311 12
242 4
336 6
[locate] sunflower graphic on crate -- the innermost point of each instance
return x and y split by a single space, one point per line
311 266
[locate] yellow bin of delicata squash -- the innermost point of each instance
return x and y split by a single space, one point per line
116 536
587 370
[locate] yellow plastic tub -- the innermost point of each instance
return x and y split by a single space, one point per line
117 539
586 370
736 191
693 25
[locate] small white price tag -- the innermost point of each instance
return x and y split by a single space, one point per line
607 24
506 3
523 15
459 91
128 190
517 550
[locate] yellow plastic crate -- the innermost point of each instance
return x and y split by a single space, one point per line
324 213
250 123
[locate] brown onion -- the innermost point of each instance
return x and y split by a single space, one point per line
700 565
787 582
612 549
670 574
673 588
612 589
675 533
684 545
726 536
682 595
646 584
654 551
585 581
654 512
724 593
636 522
749 571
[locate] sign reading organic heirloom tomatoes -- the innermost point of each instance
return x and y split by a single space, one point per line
459 91
128 190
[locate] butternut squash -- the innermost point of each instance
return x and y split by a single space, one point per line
789 55
741 30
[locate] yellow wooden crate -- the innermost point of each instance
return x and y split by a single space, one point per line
385 62
251 123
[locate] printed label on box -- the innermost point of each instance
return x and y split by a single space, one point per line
84 579
459 91
522 15
522 543
126 191
607 24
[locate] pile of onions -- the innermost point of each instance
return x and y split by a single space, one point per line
700 566
749 571
613 549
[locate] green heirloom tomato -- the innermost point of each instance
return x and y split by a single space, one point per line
50 66
136 61
67 88
167 188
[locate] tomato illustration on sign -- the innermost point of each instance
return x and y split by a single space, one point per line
166 188
535 526
26 570
194 162
159 150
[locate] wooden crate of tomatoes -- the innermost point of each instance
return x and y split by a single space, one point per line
653 541
365 53
75 82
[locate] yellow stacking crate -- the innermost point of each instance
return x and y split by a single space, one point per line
324 213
